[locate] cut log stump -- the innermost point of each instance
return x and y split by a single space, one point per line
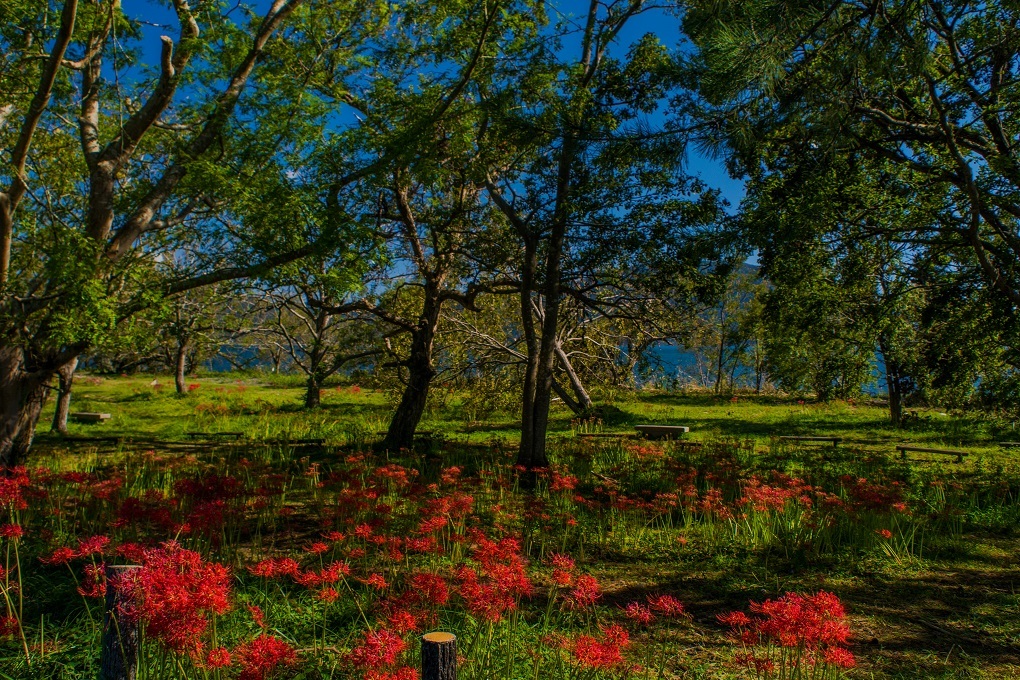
439 656
119 657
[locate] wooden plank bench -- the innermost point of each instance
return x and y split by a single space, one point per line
86 417
662 431
214 435
93 440
918 449
834 440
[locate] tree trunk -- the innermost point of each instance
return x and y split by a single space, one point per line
181 365
313 393
583 398
894 385
528 272
22 395
65 377
532 453
567 399
400 434
722 353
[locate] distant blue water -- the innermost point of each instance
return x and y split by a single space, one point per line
681 366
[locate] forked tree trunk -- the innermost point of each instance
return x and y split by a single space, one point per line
181 366
65 378
532 453
404 423
22 395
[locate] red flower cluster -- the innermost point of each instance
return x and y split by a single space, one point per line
263 656
378 650
499 584
174 592
591 652
812 623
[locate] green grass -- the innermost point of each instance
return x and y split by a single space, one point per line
937 600
271 407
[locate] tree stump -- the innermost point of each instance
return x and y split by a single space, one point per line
119 657
439 656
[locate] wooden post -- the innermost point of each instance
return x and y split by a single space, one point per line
119 657
439 656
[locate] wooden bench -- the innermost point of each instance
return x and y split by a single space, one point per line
85 417
93 440
1009 445
662 431
918 449
214 435
834 440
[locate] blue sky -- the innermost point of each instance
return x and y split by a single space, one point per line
659 21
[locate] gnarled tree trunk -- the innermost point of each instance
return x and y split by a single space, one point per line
22 395
400 434
65 378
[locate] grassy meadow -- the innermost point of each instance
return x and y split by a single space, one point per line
731 554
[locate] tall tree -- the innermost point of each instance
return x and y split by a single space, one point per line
930 87
114 165
570 159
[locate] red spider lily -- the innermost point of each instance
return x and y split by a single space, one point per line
12 531
94 583
257 615
402 621
795 620
12 488
805 623
376 581
402 673
133 552
666 605
317 548
639 612
585 592
174 592
276 567
379 649
93 545
9 626
327 595
563 569
430 588
431 525
60 556
263 656
884 533
840 657
483 599
734 619
606 653
217 658
450 475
